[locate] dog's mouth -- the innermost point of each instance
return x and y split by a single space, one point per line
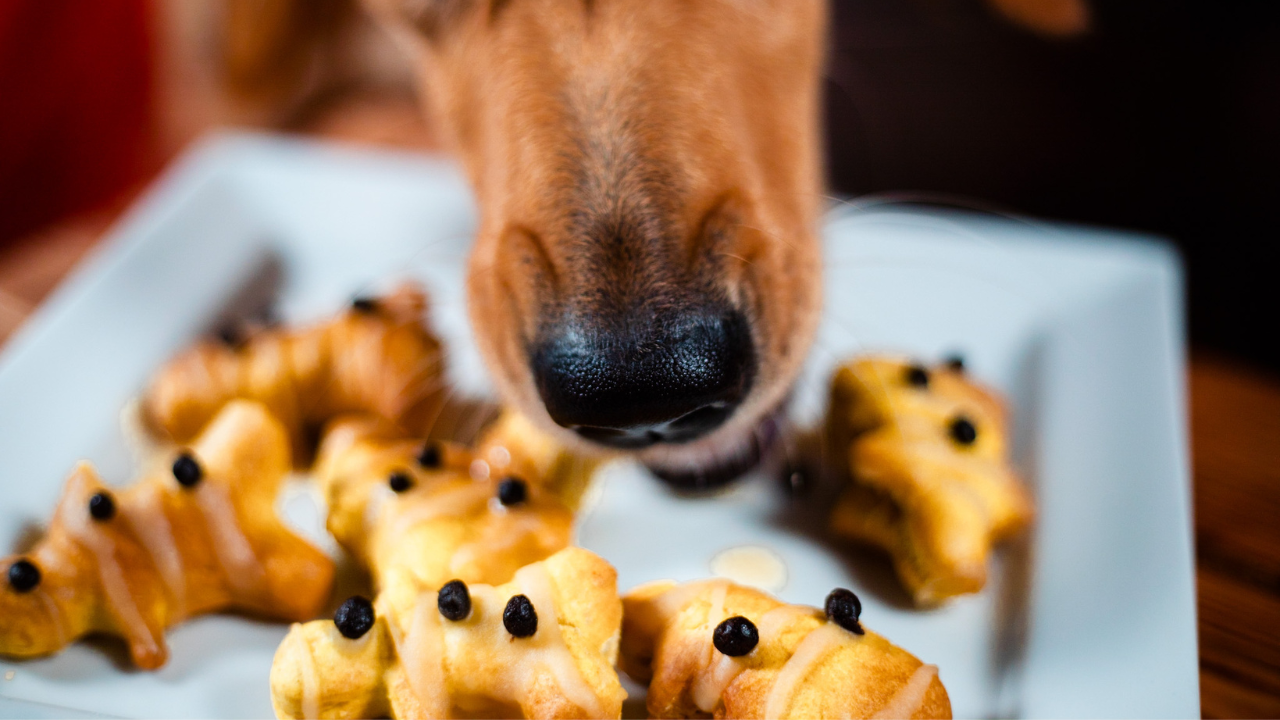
684 429
716 461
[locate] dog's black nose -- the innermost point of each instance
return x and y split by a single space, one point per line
633 384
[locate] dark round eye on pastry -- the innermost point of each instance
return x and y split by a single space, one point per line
512 491
102 507
230 337
963 431
736 636
955 363
187 471
364 305
454 600
430 457
917 376
354 617
519 617
795 480
23 575
844 608
400 481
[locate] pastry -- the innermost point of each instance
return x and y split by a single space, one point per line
376 358
930 480
196 536
418 514
717 649
540 646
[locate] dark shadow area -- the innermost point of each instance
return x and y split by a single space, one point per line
1163 118
808 487
1013 564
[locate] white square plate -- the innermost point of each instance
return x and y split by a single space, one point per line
1080 327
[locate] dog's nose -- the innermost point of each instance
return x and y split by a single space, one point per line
640 383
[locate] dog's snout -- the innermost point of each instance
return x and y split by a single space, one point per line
634 384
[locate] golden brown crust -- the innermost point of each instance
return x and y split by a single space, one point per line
416 663
448 523
378 360
935 504
170 552
803 666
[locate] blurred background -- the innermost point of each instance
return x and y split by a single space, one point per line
1156 115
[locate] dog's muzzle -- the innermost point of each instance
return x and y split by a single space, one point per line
635 383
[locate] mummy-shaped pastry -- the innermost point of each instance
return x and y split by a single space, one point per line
930 475
540 646
196 536
419 514
376 358
717 649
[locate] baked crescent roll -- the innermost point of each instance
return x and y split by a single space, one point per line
717 649
197 536
419 514
540 646
377 357
930 476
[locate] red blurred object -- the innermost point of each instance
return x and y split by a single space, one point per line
76 106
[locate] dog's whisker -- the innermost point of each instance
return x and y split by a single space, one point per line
737 257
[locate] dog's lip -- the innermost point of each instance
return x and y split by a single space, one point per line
716 461
687 428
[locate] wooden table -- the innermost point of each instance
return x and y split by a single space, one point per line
1235 438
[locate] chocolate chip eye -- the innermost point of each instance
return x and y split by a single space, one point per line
400 481
454 601
844 608
519 617
187 471
23 575
230 337
354 617
364 305
102 507
430 457
736 636
916 376
963 431
955 363
795 480
512 491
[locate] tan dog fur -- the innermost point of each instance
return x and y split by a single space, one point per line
660 115
693 124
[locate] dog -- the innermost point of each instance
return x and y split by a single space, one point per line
646 273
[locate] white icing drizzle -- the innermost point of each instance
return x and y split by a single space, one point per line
151 526
815 646
710 686
422 651
379 496
521 530
499 456
910 697
671 602
310 678
119 598
752 565
535 582
54 612
235 555
459 501
715 613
